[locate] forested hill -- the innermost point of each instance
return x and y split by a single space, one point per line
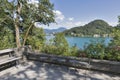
95 28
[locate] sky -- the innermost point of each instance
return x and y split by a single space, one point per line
73 13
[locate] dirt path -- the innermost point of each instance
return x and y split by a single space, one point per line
44 71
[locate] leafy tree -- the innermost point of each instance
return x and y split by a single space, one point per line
6 38
36 38
96 49
113 50
61 44
116 37
118 22
21 15
60 40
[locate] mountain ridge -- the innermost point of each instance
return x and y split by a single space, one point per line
96 27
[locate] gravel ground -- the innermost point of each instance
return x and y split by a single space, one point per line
44 71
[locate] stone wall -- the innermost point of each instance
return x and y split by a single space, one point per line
92 64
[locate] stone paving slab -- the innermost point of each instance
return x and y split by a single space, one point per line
44 71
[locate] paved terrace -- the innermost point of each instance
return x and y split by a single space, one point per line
45 71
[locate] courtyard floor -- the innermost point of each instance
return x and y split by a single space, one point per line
45 71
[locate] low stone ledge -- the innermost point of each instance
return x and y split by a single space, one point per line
93 64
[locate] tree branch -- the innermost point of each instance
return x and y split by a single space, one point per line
26 35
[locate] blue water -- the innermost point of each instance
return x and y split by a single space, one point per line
81 42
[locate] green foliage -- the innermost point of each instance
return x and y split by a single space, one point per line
36 38
99 27
20 15
96 50
73 51
116 37
5 43
113 51
41 12
118 22
62 47
59 46
6 38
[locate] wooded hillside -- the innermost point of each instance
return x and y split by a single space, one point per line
96 27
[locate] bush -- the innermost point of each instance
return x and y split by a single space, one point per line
36 39
96 50
113 53
59 46
113 50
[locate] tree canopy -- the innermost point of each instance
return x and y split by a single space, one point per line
19 16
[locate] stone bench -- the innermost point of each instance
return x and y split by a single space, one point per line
11 59
8 58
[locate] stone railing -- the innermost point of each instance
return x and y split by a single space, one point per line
92 64
25 53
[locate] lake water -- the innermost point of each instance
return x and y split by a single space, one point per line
80 42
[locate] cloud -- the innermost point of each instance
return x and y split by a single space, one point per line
71 24
66 24
59 15
33 1
79 23
62 21
71 19
113 23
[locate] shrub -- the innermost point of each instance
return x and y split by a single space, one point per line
96 50
59 46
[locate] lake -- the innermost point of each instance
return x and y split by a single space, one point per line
80 42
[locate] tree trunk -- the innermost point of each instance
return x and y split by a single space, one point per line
17 34
26 34
16 24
